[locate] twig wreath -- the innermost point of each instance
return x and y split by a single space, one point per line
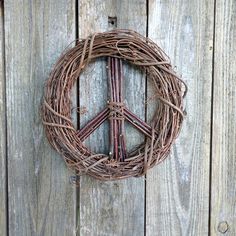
118 46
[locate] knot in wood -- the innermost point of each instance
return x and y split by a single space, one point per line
116 110
223 227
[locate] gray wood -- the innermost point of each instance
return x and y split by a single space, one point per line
41 200
3 208
177 197
111 208
223 194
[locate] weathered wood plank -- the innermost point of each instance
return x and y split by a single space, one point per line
223 190
177 195
3 207
41 200
111 208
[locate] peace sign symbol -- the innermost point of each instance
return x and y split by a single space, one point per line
117 45
117 112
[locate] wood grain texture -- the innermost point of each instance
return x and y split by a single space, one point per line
111 208
41 200
3 204
177 197
223 194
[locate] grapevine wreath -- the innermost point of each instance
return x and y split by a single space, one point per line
118 46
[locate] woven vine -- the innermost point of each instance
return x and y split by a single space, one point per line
118 46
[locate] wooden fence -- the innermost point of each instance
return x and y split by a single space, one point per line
193 192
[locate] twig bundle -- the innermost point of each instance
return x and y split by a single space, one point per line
160 134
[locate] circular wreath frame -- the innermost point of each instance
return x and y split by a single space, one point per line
166 123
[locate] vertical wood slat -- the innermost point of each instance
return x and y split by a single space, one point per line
110 208
3 206
223 187
177 195
41 201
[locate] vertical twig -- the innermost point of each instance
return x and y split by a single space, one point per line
115 81
110 89
116 93
114 100
122 134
